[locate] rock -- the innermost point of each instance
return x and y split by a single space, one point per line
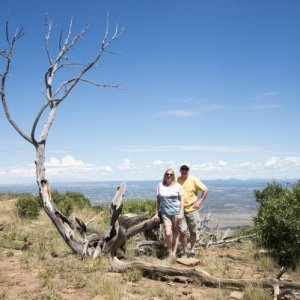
285 277
190 262
235 295
99 297
69 290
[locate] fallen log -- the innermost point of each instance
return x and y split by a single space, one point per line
285 293
226 241
204 277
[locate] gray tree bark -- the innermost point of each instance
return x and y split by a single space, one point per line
54 96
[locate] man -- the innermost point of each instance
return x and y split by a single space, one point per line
192 202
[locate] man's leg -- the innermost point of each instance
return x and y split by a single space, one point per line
183 234
192 221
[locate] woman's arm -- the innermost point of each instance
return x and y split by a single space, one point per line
157 207
181 212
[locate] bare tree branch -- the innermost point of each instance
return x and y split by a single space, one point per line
7 56
114 238
65 84
48 28
36 122
63 50
84 70
4 53
71 65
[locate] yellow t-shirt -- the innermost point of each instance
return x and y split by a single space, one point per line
191 186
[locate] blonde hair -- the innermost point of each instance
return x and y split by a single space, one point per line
165 176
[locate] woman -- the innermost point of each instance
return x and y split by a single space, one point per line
170 205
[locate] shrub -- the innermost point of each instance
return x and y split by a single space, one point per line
78 200
67 202
257 293
28 206
277 222
139 206
133 274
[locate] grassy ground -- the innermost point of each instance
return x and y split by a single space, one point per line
35 263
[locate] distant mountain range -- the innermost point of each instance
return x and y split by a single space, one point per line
230 195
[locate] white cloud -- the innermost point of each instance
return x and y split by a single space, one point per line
186 148
268 94
17 172
266 106
184 113
273 161
65 168
188 101
212 107
69 168
5 142
222 163
163 165
288 161
244 164
178 113
126 165
66 161
107 169
57 152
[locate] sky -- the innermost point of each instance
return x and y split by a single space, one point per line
210 83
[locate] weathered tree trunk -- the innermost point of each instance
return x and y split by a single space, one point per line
204 277
55 95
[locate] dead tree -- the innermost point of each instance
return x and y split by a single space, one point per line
280 287
74 233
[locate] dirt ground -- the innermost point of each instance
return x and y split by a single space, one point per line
17 282
65 276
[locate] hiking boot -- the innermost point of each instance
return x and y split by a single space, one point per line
191 255
184 255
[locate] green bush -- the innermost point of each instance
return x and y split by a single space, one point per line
69 201
277 222
139 206
78 200
28 206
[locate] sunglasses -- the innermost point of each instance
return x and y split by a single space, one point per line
169 174
184 169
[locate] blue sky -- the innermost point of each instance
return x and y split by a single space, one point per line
211 83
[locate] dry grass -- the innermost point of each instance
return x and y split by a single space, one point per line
45 268
257 293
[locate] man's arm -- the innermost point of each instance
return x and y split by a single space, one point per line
200 200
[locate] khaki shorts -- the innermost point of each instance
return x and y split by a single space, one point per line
170 220
190 221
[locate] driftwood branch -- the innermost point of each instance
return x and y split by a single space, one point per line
204 277
228 240
281 295
281 272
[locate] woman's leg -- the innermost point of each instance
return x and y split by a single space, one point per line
175 237
168 232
